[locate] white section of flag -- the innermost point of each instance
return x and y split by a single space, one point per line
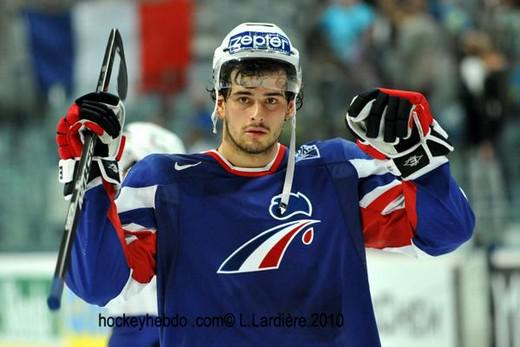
92 23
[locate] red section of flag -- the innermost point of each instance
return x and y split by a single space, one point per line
165 29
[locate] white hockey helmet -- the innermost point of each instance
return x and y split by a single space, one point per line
255 41
143 138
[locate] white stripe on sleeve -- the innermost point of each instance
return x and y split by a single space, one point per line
377 192
133 198
136 228
368 167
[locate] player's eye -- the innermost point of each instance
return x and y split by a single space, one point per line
271 101
244 100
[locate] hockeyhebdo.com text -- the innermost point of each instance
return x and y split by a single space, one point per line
228 320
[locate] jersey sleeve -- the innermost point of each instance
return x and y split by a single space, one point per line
114 251
427 216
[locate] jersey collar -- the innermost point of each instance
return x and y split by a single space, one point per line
270 168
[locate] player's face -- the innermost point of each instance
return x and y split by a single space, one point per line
254 112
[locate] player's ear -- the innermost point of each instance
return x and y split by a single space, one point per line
291 106
221 107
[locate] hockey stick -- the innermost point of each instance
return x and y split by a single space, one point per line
114 45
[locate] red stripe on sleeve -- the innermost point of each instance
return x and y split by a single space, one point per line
371 151
410 193
395 229
113 217
140 254
386 198
391 230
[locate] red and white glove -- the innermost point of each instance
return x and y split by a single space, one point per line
398 126
103 114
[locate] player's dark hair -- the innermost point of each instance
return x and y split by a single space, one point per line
256 67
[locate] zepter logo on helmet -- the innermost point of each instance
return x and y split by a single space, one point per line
254 40
249 41
257 41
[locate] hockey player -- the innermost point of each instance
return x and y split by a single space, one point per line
142 139
254 243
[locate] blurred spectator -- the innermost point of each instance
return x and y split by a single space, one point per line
345 23
15 71
421 59
484 98
455 16
484 87
338 46
200 136
502 21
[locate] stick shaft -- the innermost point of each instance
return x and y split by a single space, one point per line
114 45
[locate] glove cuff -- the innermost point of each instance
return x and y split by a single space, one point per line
106 168
427 156
416 163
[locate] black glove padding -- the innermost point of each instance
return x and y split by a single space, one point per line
102 114
106 111
398 125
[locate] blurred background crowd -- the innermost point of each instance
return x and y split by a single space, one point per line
464 55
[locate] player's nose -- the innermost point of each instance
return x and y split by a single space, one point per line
256 112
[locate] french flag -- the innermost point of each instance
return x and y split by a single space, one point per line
67 46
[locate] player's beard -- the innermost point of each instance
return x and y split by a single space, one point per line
254 147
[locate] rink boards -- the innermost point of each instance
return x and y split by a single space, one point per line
418 302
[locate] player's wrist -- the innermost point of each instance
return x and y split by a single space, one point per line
416 163
105 168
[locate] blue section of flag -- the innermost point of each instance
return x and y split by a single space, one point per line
52 48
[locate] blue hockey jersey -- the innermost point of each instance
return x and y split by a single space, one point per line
232 271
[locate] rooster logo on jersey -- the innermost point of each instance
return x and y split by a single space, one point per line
266 250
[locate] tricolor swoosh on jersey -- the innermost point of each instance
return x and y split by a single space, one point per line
265 251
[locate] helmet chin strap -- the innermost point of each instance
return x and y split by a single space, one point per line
289 174
214 117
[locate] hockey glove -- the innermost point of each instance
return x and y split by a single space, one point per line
398 125
103 114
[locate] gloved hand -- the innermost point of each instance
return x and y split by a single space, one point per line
103 114
398 125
